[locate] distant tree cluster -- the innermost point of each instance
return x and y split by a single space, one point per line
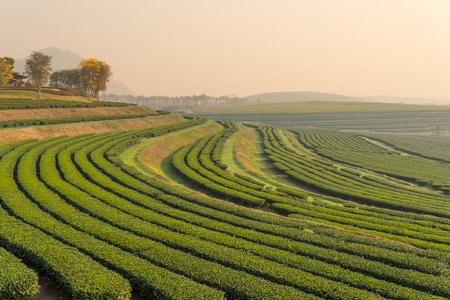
174 103
6 70
65 79
90 76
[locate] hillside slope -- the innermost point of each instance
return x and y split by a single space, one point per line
12 133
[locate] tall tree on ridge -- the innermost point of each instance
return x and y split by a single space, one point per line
38 66
93 76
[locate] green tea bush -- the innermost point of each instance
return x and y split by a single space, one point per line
17 281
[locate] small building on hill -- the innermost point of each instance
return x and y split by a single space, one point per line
17 79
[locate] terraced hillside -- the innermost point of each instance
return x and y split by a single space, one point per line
107 215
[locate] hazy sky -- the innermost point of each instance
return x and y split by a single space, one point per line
243 47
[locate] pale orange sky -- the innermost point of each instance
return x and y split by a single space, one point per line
179 47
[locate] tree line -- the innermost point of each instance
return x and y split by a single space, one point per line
89 76
173 103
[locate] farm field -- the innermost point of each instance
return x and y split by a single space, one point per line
158 206
364 152
380 117
432 147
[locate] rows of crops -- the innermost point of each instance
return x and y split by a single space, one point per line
432 147
26 103
126 180
200 163
100 230
358 151
66 120
324 176
419 230
386 121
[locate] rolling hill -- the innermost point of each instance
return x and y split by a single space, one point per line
276 97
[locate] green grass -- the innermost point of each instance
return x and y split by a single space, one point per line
33 95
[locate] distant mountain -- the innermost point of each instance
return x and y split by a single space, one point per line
118 88
62 60
277 97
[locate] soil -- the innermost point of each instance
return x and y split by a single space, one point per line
51 291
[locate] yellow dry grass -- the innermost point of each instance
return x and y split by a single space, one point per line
245 144
18 114
154 154
39 132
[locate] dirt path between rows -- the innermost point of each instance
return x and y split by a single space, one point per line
51 291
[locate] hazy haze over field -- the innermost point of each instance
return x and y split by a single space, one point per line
397 48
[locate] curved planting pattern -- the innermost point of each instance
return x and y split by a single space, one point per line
64 263
322 175
423 231
71 208
431 147
200 164
361 152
